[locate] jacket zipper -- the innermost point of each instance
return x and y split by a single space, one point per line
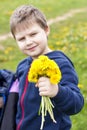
22 103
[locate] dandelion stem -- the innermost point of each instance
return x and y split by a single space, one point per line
46 106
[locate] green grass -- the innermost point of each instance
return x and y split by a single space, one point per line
70 36
50 8
10 55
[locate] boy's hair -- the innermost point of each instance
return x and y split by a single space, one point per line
27 14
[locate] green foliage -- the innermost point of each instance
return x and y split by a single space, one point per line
9 54
50 7
70 36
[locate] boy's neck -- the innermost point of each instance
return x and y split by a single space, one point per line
48 51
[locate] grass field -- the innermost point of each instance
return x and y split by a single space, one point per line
70 36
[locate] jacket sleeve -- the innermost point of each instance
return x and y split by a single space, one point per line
69 99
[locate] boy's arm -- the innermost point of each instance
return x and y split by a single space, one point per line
69 99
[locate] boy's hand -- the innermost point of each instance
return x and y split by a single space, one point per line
46 88
1 102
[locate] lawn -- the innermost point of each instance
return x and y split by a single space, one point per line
70 36
50 8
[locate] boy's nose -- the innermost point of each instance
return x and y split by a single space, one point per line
28 41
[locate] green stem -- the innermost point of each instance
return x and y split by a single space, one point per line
42 111
46 106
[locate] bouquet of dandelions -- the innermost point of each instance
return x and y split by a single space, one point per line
43 66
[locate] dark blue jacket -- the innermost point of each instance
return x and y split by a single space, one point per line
68 101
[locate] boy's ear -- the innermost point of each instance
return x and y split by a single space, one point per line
47 30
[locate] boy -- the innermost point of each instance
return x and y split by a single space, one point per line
30 30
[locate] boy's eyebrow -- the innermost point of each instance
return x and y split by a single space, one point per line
31 32
19 36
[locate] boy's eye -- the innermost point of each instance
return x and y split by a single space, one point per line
21 39
33 34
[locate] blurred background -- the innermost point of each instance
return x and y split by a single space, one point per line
68 24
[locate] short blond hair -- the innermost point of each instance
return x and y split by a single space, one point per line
27 13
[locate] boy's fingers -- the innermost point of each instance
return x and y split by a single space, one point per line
36 85
42 79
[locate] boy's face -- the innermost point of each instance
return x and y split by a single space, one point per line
32 40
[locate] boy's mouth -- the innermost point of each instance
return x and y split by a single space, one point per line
32 48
